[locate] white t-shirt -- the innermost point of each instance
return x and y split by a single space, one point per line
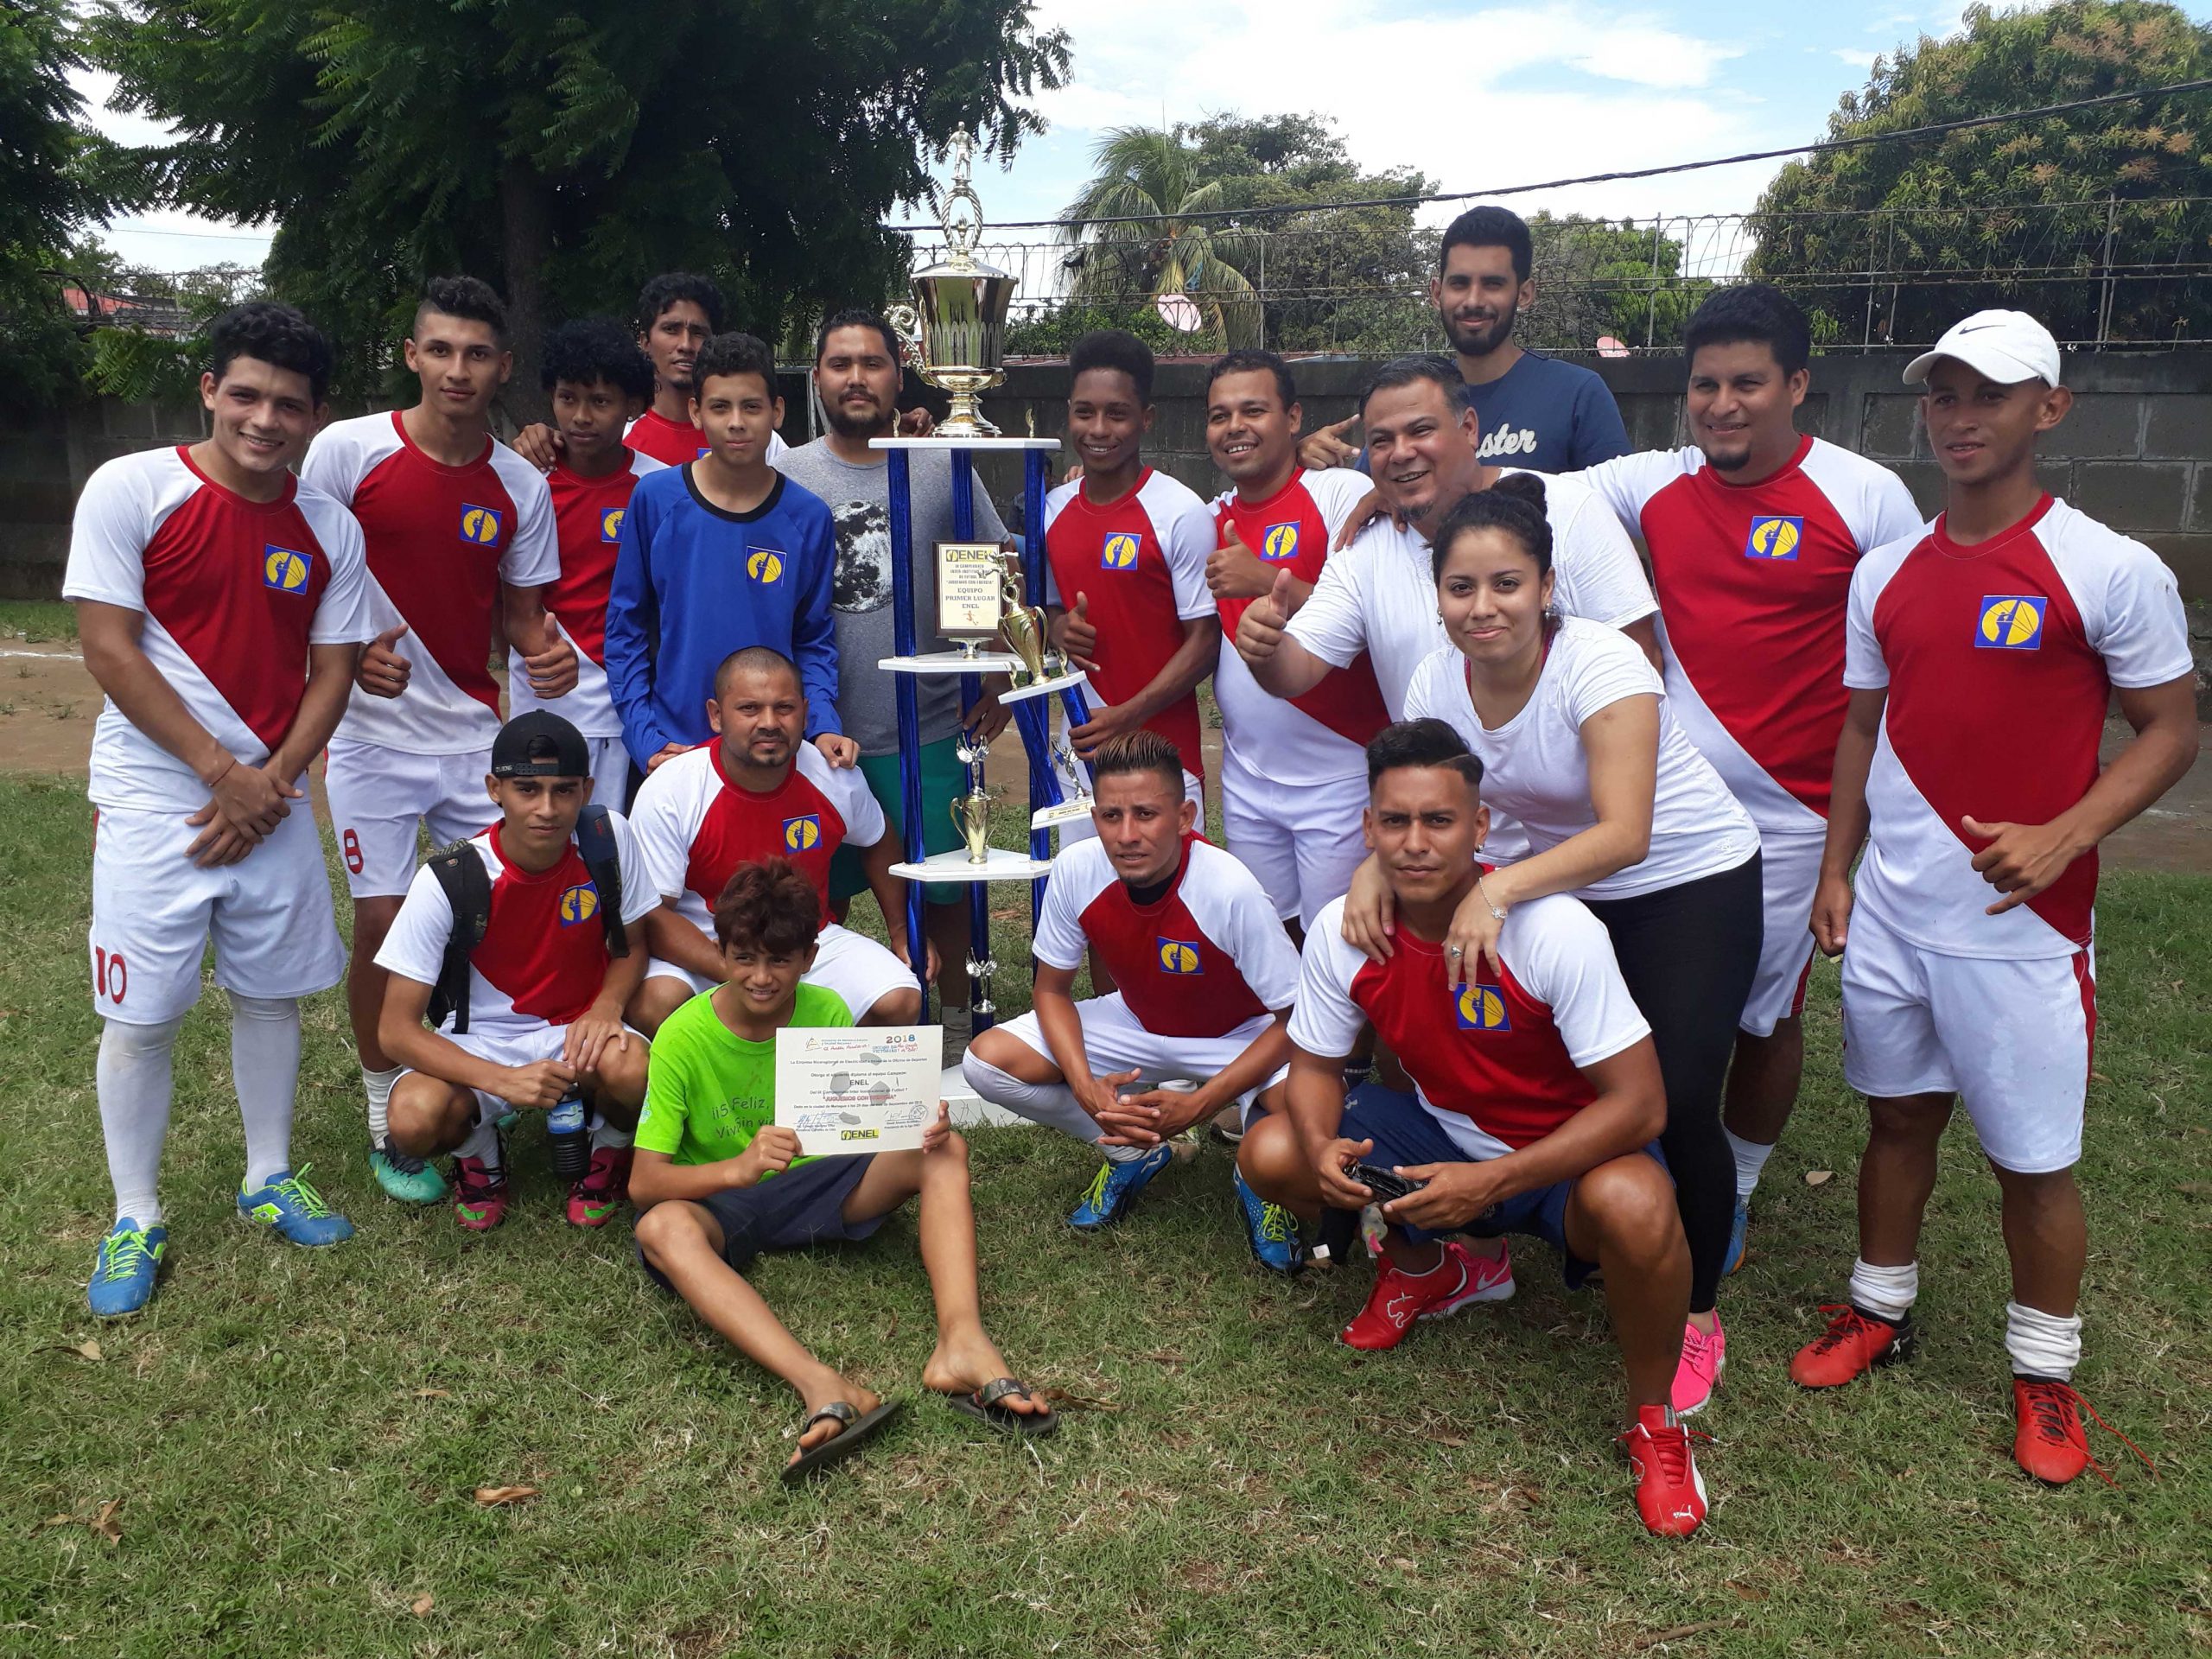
233 592
1535 769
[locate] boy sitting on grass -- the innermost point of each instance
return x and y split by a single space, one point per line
718 1181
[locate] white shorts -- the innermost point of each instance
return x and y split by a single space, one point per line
503 1044
2010 1039
1114 1041
378 795
852 964
1194 790
1303 841
610 773
154 911
1789 869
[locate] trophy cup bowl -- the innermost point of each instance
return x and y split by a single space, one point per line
971 815
959 309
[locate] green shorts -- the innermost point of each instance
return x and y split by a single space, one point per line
943 780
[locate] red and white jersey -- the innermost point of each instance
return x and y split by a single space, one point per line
1141 565
441 540
673 442
1497 1063
1753 581
1999 660
696 826
1321 736
543 954
233 592
587 516
1207 955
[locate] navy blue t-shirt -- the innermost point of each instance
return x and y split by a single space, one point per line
1546 416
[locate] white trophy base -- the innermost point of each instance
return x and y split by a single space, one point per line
951 662
999 865
1044 688
1006 445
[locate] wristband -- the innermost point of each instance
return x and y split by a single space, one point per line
1496 913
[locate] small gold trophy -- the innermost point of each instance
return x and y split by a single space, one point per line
1024 628
971 815
957 320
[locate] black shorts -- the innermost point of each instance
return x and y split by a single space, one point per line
791 1211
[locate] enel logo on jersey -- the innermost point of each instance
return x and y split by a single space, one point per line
1280 545
1479 1007
2011 622
803 835
1774 537
480 527
1178 956
765 565
579 904
283 569
1119 552
610 525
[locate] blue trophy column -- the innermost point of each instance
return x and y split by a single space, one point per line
910 716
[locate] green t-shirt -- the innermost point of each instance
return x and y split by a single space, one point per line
708 1090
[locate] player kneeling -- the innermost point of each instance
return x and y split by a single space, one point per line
511 964
1205 975
1538 1095
720 1181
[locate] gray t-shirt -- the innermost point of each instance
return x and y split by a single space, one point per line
860 506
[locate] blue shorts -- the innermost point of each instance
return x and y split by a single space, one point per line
1405 1134
797 1209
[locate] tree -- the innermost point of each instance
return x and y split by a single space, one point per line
1595 278
568 150
2070 216
56 179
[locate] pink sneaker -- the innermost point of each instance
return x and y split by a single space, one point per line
480 1194
1398 1298
1704 1357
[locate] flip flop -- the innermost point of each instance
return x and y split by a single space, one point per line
857 1433
983 1406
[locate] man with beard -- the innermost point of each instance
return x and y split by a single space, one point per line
856 376
1536 412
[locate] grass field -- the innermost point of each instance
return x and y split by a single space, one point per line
292 1439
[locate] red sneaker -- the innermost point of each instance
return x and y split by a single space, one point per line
1398 1298
480 1194
1854 1344
595 1195
1670 1491
2052 1444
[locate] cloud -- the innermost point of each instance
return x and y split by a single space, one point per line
1857 60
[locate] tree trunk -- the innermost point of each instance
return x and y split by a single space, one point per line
526 242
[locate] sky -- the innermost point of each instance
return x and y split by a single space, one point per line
1476 96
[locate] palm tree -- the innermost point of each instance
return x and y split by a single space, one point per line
1149 173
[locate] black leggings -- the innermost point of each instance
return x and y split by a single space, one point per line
1689 953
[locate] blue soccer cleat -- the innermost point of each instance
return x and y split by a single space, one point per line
1270 1229
286 1206
1741 1225
125 1268
405 1177
1115 1188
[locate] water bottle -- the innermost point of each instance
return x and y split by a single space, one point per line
568 1147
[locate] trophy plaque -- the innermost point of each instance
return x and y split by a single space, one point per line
969 598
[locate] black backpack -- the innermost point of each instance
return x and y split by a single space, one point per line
467 886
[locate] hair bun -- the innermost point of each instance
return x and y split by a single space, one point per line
1521 487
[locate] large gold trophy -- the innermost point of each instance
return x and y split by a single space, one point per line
957 321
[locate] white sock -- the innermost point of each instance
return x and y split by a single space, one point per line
1886 1292
2041 1344
483 1142
605 1136
265 1066
378 1083
1051 1104
133 1075
1751 1158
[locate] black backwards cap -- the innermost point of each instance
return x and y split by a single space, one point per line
539 745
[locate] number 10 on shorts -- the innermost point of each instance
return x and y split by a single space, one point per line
110 977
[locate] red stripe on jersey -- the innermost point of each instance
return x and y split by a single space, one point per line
1177 981
795 820
588 517
1111 556
1287 530
668 442
1491 1053
1997 698
546 946
1752 581
434 535
236 583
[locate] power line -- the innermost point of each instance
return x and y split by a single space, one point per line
1901 135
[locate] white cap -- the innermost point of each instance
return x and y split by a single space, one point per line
2008 346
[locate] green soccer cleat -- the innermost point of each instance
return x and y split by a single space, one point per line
406 1177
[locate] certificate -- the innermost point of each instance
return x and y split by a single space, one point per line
969 577
849 1088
